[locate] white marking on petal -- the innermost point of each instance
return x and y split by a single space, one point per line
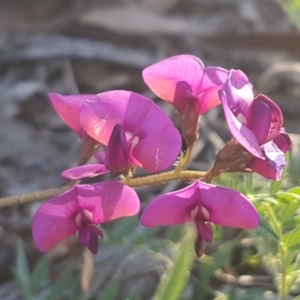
157 160
99 126
133 141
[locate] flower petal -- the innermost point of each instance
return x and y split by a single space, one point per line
108 200
276 117
68 109
175 79
283 141
140 118
235 104
259 120
240 132
227 207
99 117
213 79
117 152
170 209
239 94
54 221
205 231
100 156
88 236
272 166
85 171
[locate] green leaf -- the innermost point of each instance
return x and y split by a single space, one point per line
173 282
110 290
75 291
21 272
134 295
39 274
286 197
61 284
287 211
264 198
208 266
292 237
295 190
265 229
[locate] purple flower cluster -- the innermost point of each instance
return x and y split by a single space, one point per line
135 132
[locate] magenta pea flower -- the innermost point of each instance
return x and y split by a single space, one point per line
68 108
134 129
203 204
193 89
80 210
252 121
274 152
183 80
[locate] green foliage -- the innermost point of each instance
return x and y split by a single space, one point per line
265 230
277 238
110 290
242 294
30 282
174 281
292 7
206 269
280 220
64 286
21 272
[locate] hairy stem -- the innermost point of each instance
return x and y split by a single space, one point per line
133 182
185 159
32 197
164 177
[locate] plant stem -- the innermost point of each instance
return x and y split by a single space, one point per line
133 182
282 288
185 159
32 197
163 178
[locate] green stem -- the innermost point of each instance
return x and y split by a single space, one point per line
283 290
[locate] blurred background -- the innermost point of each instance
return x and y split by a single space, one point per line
91 46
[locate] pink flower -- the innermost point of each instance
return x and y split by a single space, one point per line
256 123
183 79
203 204
134 129
193 89
274 152
252 121
80 210
68 108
